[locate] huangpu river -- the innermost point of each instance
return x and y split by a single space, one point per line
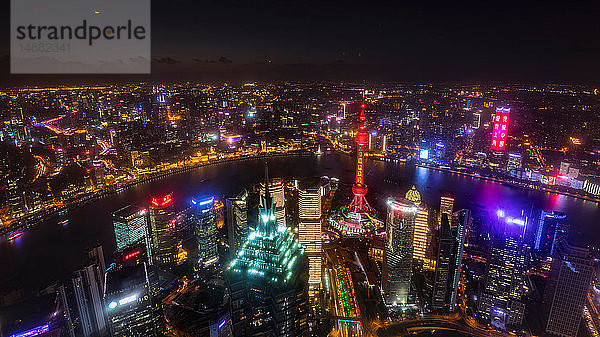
52 250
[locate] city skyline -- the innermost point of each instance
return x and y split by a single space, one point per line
260 168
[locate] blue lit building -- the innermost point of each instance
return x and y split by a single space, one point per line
203 217
268 280
551 229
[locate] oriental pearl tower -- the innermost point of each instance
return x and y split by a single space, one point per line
357 219
359 189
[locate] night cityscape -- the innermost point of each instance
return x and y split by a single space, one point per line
319 190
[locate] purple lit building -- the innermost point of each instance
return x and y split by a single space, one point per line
500 303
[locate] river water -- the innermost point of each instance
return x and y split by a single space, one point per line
51 251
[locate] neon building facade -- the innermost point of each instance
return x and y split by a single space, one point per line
500 131
268 279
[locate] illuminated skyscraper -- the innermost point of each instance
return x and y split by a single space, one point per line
310 227
277 191
204 219
567 288
444 266
131 226
130 308
501 302
268 280
552 228
398 253
446 206
421 225
82 299
162 225
88 294
449 261
237 220
500 131
15 199
203 310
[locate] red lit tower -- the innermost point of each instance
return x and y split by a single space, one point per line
359 189
357 219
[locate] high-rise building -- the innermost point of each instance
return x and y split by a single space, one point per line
15 199
476 120
87 288
444 266
130 224
446 206
449 262
204 219
421 225
277 191
514 161
130 308
500 131
398 253
501 301
310 228
162 226
552 228
384 144
461 221
203 310
567 288
81 298
237 220
268 280
96 256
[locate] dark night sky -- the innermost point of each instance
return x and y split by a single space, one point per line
394 40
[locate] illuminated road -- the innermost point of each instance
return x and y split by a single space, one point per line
41 168
104 145
344 297
591 312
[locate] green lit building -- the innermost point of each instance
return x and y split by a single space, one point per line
268 280
131 227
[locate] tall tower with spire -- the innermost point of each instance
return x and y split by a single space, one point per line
268 279
358 218
359 189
